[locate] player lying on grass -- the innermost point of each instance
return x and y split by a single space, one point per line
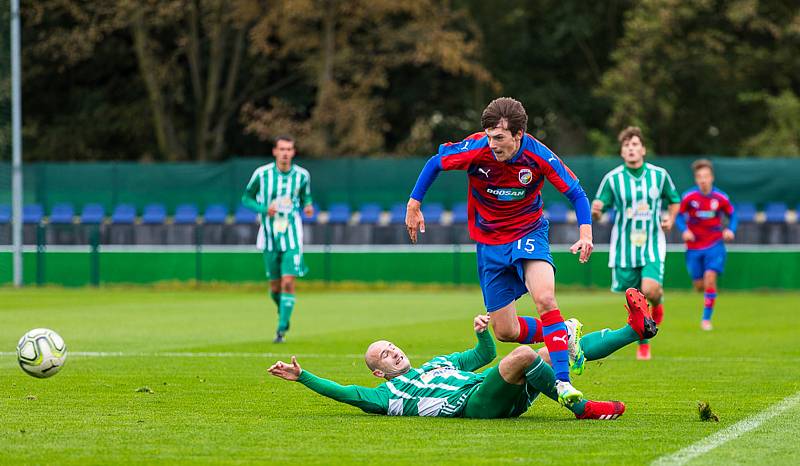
447 386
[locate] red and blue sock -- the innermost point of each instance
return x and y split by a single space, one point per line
555 338
708 307
530 330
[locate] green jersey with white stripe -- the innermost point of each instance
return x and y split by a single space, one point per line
290 191
637 195
440 387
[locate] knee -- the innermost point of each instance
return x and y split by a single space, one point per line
506 334
652 293
699 286
287 286
525 355
546 302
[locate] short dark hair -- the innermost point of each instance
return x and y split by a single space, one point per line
508 109
282 137
699 164
626 134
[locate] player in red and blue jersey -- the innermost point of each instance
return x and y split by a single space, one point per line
506 170
704 233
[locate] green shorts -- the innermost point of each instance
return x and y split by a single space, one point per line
623 278
284 263
495 398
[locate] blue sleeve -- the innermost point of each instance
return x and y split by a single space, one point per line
680 222
577 196
426 178
733 221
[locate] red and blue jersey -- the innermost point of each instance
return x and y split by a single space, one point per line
702 215
504 198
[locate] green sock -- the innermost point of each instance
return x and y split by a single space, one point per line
285 312
597 345
644 342
540 377
276 298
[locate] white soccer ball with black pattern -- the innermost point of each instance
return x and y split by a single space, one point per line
41 353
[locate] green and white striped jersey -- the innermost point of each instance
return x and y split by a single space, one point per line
290 191
440 387
637 237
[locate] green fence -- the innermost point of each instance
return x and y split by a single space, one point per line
355 181
747 270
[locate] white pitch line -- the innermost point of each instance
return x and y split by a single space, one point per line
729 433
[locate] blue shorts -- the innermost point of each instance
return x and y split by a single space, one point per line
500 267
700 260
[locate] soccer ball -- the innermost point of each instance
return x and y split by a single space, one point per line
41 353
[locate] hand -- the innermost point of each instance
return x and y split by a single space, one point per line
584 244
689 237
308 210
728 234
285 371
272 209
481 323
414 219
597 209
666 223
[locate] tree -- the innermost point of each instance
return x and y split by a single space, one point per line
687 71
347 52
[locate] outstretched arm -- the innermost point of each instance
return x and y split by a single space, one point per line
414 219
484 351
371 400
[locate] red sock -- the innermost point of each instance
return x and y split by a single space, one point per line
658 313
530 330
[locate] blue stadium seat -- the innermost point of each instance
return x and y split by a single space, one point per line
775 212
313 218
92 214
557 212
370 213
397 214
746 211
338 213
244 215
186 214
432 212
32 213
154 214
460 214
62 214
215 214
5 214
124 214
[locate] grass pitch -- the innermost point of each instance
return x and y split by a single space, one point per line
203 355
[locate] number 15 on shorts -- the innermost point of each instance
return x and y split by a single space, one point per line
528 246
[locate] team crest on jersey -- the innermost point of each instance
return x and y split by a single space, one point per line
714 204
525 176
654 192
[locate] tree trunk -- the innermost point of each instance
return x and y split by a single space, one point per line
164 129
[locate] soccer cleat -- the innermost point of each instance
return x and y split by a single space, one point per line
567 394
706 325
639 317
602 410
577 360
278 337
643 353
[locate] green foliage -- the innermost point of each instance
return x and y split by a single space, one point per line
207 79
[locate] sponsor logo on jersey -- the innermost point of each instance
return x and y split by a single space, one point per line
506 194
525 176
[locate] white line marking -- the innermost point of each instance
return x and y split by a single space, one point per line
729 433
